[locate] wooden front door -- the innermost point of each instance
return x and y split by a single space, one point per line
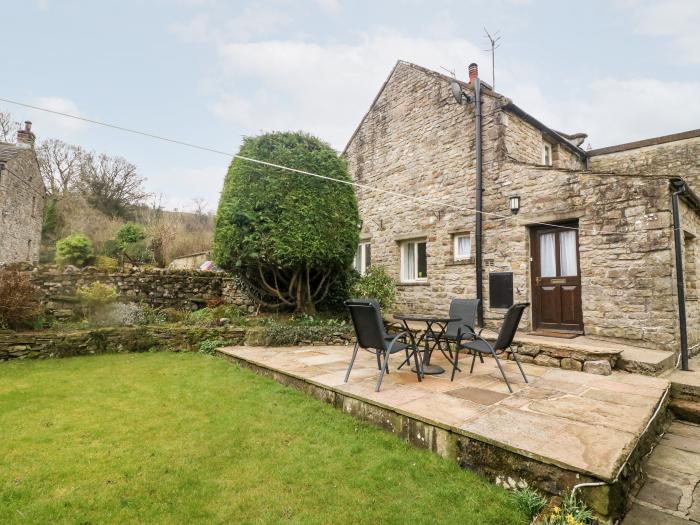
556 279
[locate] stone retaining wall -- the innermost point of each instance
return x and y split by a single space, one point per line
42 345
156 287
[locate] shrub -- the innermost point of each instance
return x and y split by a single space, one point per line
288 235
209 346
75 249
130 233
529 501
209 316
376 284
276 333
19 300
95 297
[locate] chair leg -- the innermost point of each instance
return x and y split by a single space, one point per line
481 358
381 374
456 362
471 370
379 362
419 368
517 361
498 362
352 362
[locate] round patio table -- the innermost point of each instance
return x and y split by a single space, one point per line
435 330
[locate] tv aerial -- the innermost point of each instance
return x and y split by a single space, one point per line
460 95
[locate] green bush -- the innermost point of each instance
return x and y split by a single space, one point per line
106 263
288 236
376 284
210 315
209 346
75 249
95 297
130 233
276 333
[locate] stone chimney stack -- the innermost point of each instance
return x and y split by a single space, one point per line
25 137
473 72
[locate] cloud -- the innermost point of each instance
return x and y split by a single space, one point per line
47 125
323 89
329 6
250 23
676 20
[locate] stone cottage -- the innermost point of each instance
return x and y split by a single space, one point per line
22 196
586 237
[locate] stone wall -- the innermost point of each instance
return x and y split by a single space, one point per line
21 208
42 345
417 141
163 288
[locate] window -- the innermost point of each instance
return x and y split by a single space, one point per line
33 205
363 257
462 246
29 250
414 261
547 154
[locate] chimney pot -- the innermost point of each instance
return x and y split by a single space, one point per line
25 137
473 72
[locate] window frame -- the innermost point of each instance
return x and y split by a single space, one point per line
404 247
363 248
455 246
547 148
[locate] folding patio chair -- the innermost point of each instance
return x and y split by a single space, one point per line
372 336
479 346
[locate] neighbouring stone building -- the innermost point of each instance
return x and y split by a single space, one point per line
585 236
22 196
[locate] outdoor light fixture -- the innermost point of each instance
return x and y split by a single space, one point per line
514 202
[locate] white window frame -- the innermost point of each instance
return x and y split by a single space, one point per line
455 247
361 256
412 244
547 148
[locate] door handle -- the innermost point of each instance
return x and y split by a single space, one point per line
538 280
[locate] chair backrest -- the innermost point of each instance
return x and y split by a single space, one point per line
367 321
465 310
510 325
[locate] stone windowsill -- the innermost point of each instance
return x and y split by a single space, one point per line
417 283
461 262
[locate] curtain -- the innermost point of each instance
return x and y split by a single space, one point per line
548 255
567 249
409 266
464 246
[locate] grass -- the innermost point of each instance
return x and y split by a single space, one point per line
189 438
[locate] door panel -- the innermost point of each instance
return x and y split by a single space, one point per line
556 280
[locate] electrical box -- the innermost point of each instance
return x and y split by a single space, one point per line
500 289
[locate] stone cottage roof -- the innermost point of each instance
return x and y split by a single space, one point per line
9 151
508 105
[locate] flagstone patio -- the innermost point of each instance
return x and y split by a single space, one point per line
560 429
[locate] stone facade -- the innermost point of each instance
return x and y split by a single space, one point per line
22 196
417 141
163 288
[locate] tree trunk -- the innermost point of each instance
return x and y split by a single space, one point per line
304 302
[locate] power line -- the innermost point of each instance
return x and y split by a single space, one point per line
421 200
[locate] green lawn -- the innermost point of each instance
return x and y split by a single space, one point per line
188 438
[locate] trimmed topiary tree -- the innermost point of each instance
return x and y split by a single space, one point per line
288 236
75 249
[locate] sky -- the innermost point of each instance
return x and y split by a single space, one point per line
210 72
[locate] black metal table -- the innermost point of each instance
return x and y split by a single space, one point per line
430 334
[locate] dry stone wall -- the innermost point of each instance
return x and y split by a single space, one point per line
163 288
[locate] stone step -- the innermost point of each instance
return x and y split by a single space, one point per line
686 410
645 361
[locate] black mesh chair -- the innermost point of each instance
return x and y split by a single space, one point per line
480 346
372 336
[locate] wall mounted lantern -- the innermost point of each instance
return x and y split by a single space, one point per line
514 203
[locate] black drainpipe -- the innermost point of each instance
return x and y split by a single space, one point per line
680 188
479 202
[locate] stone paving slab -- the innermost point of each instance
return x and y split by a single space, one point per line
671 494
582 422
